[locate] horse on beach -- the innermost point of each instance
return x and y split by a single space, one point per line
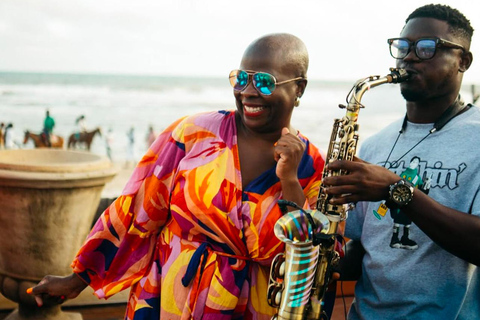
85 138
40 141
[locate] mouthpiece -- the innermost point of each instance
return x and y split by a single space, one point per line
398 75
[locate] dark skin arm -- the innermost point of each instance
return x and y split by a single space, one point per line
53 290
288 154
456 232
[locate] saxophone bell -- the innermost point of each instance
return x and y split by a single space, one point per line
292 273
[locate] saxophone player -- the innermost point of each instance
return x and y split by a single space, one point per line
438 277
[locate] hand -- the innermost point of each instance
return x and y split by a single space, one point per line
288 153
52 290
335 277
364 182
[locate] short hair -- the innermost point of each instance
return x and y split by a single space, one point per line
458 23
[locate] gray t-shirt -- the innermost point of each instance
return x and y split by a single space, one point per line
405 275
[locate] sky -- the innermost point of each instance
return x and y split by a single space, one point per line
346 39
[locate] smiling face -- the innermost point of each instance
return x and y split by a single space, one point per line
437 77
269 113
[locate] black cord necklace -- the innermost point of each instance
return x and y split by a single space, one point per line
452 111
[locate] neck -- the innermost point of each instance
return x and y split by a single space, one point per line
429 111
252 135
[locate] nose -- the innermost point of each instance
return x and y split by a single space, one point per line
412 55
250 89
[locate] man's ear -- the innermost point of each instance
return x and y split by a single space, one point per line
465 63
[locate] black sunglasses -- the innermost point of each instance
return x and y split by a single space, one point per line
425 48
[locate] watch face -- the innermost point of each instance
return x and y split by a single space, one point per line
401 194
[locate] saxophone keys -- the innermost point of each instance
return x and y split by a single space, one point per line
278 266
274 294
276 286
351 206
281 269
278 297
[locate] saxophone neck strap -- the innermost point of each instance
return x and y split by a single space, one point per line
452 111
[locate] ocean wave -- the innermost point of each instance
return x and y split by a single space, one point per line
122 102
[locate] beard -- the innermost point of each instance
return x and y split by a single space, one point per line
421 87
412 95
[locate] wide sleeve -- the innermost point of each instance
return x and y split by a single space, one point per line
120 248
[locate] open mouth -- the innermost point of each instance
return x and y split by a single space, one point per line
253 111
411 72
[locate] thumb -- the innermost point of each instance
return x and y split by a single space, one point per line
285 131
357 159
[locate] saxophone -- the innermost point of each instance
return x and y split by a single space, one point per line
299 277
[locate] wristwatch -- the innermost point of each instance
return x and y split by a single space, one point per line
400 194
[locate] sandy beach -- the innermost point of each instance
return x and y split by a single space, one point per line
115 186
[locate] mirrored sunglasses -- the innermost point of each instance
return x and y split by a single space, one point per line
425 48
264 83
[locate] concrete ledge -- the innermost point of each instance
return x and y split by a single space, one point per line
86 298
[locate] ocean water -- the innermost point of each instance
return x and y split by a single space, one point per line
120 102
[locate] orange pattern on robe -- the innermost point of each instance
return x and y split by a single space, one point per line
184 235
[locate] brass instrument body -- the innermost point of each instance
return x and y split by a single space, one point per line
298 275
306 265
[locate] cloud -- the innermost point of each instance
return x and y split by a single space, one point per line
346 38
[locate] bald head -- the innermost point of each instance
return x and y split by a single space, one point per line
284 47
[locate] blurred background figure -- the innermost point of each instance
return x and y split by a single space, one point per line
2 135
48 125
130 156
109 143
80 122
475 94
10 137
151 136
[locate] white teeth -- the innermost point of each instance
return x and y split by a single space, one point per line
254 109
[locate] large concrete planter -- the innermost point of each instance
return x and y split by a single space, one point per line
48 199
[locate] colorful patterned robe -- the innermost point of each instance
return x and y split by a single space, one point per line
184 236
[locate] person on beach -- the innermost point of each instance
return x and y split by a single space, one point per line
48 125
9 137
81 125
130 156
108 143
2 135
438 277
192 232
151 136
